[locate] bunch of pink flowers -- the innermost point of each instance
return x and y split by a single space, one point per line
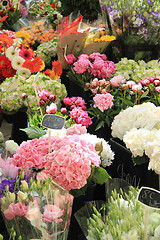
68 163
93 65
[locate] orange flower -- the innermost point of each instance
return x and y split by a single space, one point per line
57 67
38 63
6 39
29 64
47 72
3 18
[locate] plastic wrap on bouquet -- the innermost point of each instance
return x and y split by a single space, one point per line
42 212
77 37
121 217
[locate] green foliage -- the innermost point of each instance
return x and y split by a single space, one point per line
88 8
34 132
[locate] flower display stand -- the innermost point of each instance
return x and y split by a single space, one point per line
93 192
123 167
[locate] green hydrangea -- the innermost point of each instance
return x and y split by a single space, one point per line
12 89
47 50
136 71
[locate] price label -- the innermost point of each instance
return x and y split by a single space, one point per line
149 197
53 121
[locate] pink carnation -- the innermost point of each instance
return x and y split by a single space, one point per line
115 81
103 101
15 209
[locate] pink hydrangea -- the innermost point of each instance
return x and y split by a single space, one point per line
51 109
76 129
31 153
115 81
70 58
103 101
69 163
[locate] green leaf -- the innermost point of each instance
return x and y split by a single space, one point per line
99 125
34 132
145 94
140 160
100 175
79 192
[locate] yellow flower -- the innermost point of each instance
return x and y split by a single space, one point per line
23 34
105 38
43 66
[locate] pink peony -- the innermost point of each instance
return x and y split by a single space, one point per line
51 109
115 81
76 129
103 101
130 84
82 65
43 93
84 119
70 58
157 89
63 110
145 81
137 87
52 213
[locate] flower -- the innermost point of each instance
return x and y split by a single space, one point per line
37 210
111 224
52 108
12 52
25 53
103 101
17 62
52 213
57 67
11 146
24 72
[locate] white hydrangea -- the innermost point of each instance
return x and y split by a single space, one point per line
137 116
135 140
106 154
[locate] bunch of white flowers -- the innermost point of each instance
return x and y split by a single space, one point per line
138 116
125 220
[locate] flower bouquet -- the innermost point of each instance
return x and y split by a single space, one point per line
133 23
76 37
49 9
10 12
86 67
121 217
35 210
